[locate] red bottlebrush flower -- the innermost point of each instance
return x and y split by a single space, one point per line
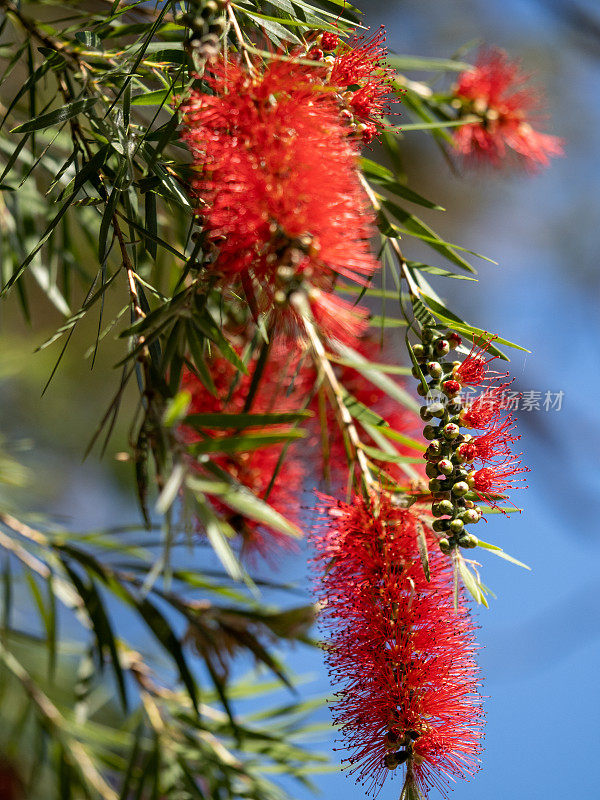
403 656
498 478
361 69
276 179
491 446
282 387
494 90
484 411
473 371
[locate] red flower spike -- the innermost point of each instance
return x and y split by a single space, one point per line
494 90
405 659
276 179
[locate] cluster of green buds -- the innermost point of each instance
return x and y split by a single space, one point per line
450 481
207 23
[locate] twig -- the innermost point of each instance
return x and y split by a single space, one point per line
300 302
239 36
412 286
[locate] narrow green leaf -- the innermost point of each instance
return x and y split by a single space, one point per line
246 442
244 502
89 40
380 455
214 528
58 115
156 98
425 64
238 421
498 551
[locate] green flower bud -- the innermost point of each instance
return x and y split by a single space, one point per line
442 508
437 410
209 9
429 432
456 526
431 470
425 413
434 485
429 334
444 546
446 467
469 541
393 760
217 26
434 368
419 351
442 347
433 453
439 525
460 489
470 516
450 431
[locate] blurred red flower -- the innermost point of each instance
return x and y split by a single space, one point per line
281 387
494 90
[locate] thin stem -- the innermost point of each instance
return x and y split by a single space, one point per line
239 36
299 301
412 286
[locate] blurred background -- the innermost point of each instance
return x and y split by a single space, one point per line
540 639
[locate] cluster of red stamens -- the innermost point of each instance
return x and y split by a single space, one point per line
401 653
358 69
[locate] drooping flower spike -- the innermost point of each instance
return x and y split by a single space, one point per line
278 192
495 92
403 657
